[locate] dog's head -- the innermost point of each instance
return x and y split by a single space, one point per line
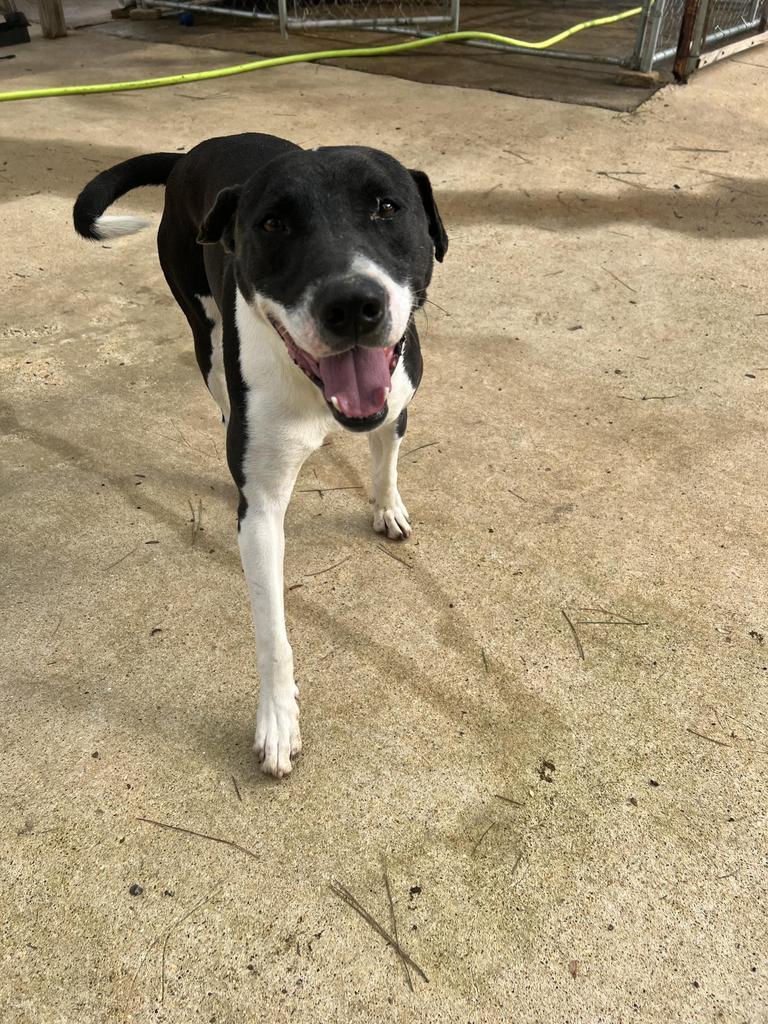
335 248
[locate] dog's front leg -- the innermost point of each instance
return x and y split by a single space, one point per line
267 490
390 515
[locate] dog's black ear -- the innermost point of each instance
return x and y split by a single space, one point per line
436 227
219 223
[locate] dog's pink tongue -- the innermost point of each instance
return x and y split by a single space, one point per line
358 380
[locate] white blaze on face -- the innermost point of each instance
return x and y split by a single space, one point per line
399 296
303 327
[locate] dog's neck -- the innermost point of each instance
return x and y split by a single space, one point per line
266 364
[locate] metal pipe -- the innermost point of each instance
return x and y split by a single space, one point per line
179 5
715 37
298 23
455 13
373 23
735 30
641 33
651 35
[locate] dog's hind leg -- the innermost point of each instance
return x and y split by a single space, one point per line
213 366
390 515
184 268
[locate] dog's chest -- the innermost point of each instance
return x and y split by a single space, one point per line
280 399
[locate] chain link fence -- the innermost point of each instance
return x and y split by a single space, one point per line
716 21
732 16
374 15
370 14
651 34
670 19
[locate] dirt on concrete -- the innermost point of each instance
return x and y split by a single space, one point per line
550 723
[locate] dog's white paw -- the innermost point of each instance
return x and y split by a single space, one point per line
392 518
278 740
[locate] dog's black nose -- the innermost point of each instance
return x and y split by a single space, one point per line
351 307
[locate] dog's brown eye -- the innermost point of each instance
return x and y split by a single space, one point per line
272 224
385 209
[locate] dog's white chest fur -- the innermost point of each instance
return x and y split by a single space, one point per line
279 395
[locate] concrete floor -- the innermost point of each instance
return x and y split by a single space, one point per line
595 83
591 434
510 72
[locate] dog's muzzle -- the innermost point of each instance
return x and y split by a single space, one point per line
355 383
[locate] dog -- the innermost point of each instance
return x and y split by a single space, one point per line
299 272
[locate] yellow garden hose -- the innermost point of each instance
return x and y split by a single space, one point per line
301 58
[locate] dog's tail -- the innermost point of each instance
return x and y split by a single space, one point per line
99 194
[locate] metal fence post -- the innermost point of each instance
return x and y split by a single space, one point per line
455 15
640 34
650 37
52 19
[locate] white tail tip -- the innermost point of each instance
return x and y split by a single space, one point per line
115 227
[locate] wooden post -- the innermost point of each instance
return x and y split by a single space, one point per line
683 65
52 19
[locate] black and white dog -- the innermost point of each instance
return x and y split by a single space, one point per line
299 272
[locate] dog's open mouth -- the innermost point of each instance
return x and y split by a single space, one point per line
355 383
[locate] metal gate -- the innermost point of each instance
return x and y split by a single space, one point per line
693 32
374 15
654 33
